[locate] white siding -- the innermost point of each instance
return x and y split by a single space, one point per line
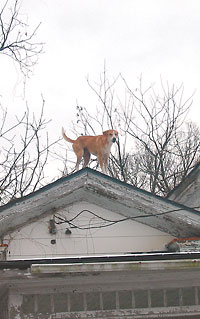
187 193
34 240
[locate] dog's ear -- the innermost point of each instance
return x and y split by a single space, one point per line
105 133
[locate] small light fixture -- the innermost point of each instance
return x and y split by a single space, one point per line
52 226
68 231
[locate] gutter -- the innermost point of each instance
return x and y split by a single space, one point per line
139 258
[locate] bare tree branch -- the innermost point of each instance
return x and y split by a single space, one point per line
23 157
16 38
157 147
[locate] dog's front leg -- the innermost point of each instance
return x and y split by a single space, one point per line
105 162
101 163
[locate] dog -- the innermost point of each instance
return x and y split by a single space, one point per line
99 146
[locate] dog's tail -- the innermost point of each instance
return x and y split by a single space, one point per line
67 138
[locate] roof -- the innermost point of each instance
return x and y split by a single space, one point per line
189 179
109 193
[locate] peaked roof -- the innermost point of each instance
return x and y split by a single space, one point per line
188 179
109 193
185 186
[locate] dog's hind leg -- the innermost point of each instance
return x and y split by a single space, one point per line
79 154
86 157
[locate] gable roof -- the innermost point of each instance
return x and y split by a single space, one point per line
185 186
109 193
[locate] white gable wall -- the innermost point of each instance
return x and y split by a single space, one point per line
187 192
34 240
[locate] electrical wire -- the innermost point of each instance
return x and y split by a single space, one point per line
108 221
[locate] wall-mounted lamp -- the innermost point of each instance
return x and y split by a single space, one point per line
68 231
52 226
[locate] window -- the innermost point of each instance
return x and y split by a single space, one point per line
172 297
28 305
141 299
93 301
76 302
188 296
157 298
44 303
110 300
125 299
61 302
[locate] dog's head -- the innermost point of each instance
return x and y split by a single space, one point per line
111 135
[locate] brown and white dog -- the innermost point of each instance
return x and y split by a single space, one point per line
99 146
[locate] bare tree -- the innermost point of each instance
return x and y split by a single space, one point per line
105 116
24 153
16 37
157 147
167 146
24 147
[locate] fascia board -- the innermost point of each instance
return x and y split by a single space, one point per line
109 193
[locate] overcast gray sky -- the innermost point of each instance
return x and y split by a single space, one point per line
149 37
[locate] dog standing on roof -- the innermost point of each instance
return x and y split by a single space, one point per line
99 146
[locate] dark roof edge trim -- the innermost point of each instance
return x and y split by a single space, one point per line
88 171
25 264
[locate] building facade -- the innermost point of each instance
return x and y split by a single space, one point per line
90 246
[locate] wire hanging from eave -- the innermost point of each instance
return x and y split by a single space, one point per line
110 222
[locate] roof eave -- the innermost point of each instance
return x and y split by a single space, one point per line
109 193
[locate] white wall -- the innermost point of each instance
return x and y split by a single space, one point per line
187 193
34 240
